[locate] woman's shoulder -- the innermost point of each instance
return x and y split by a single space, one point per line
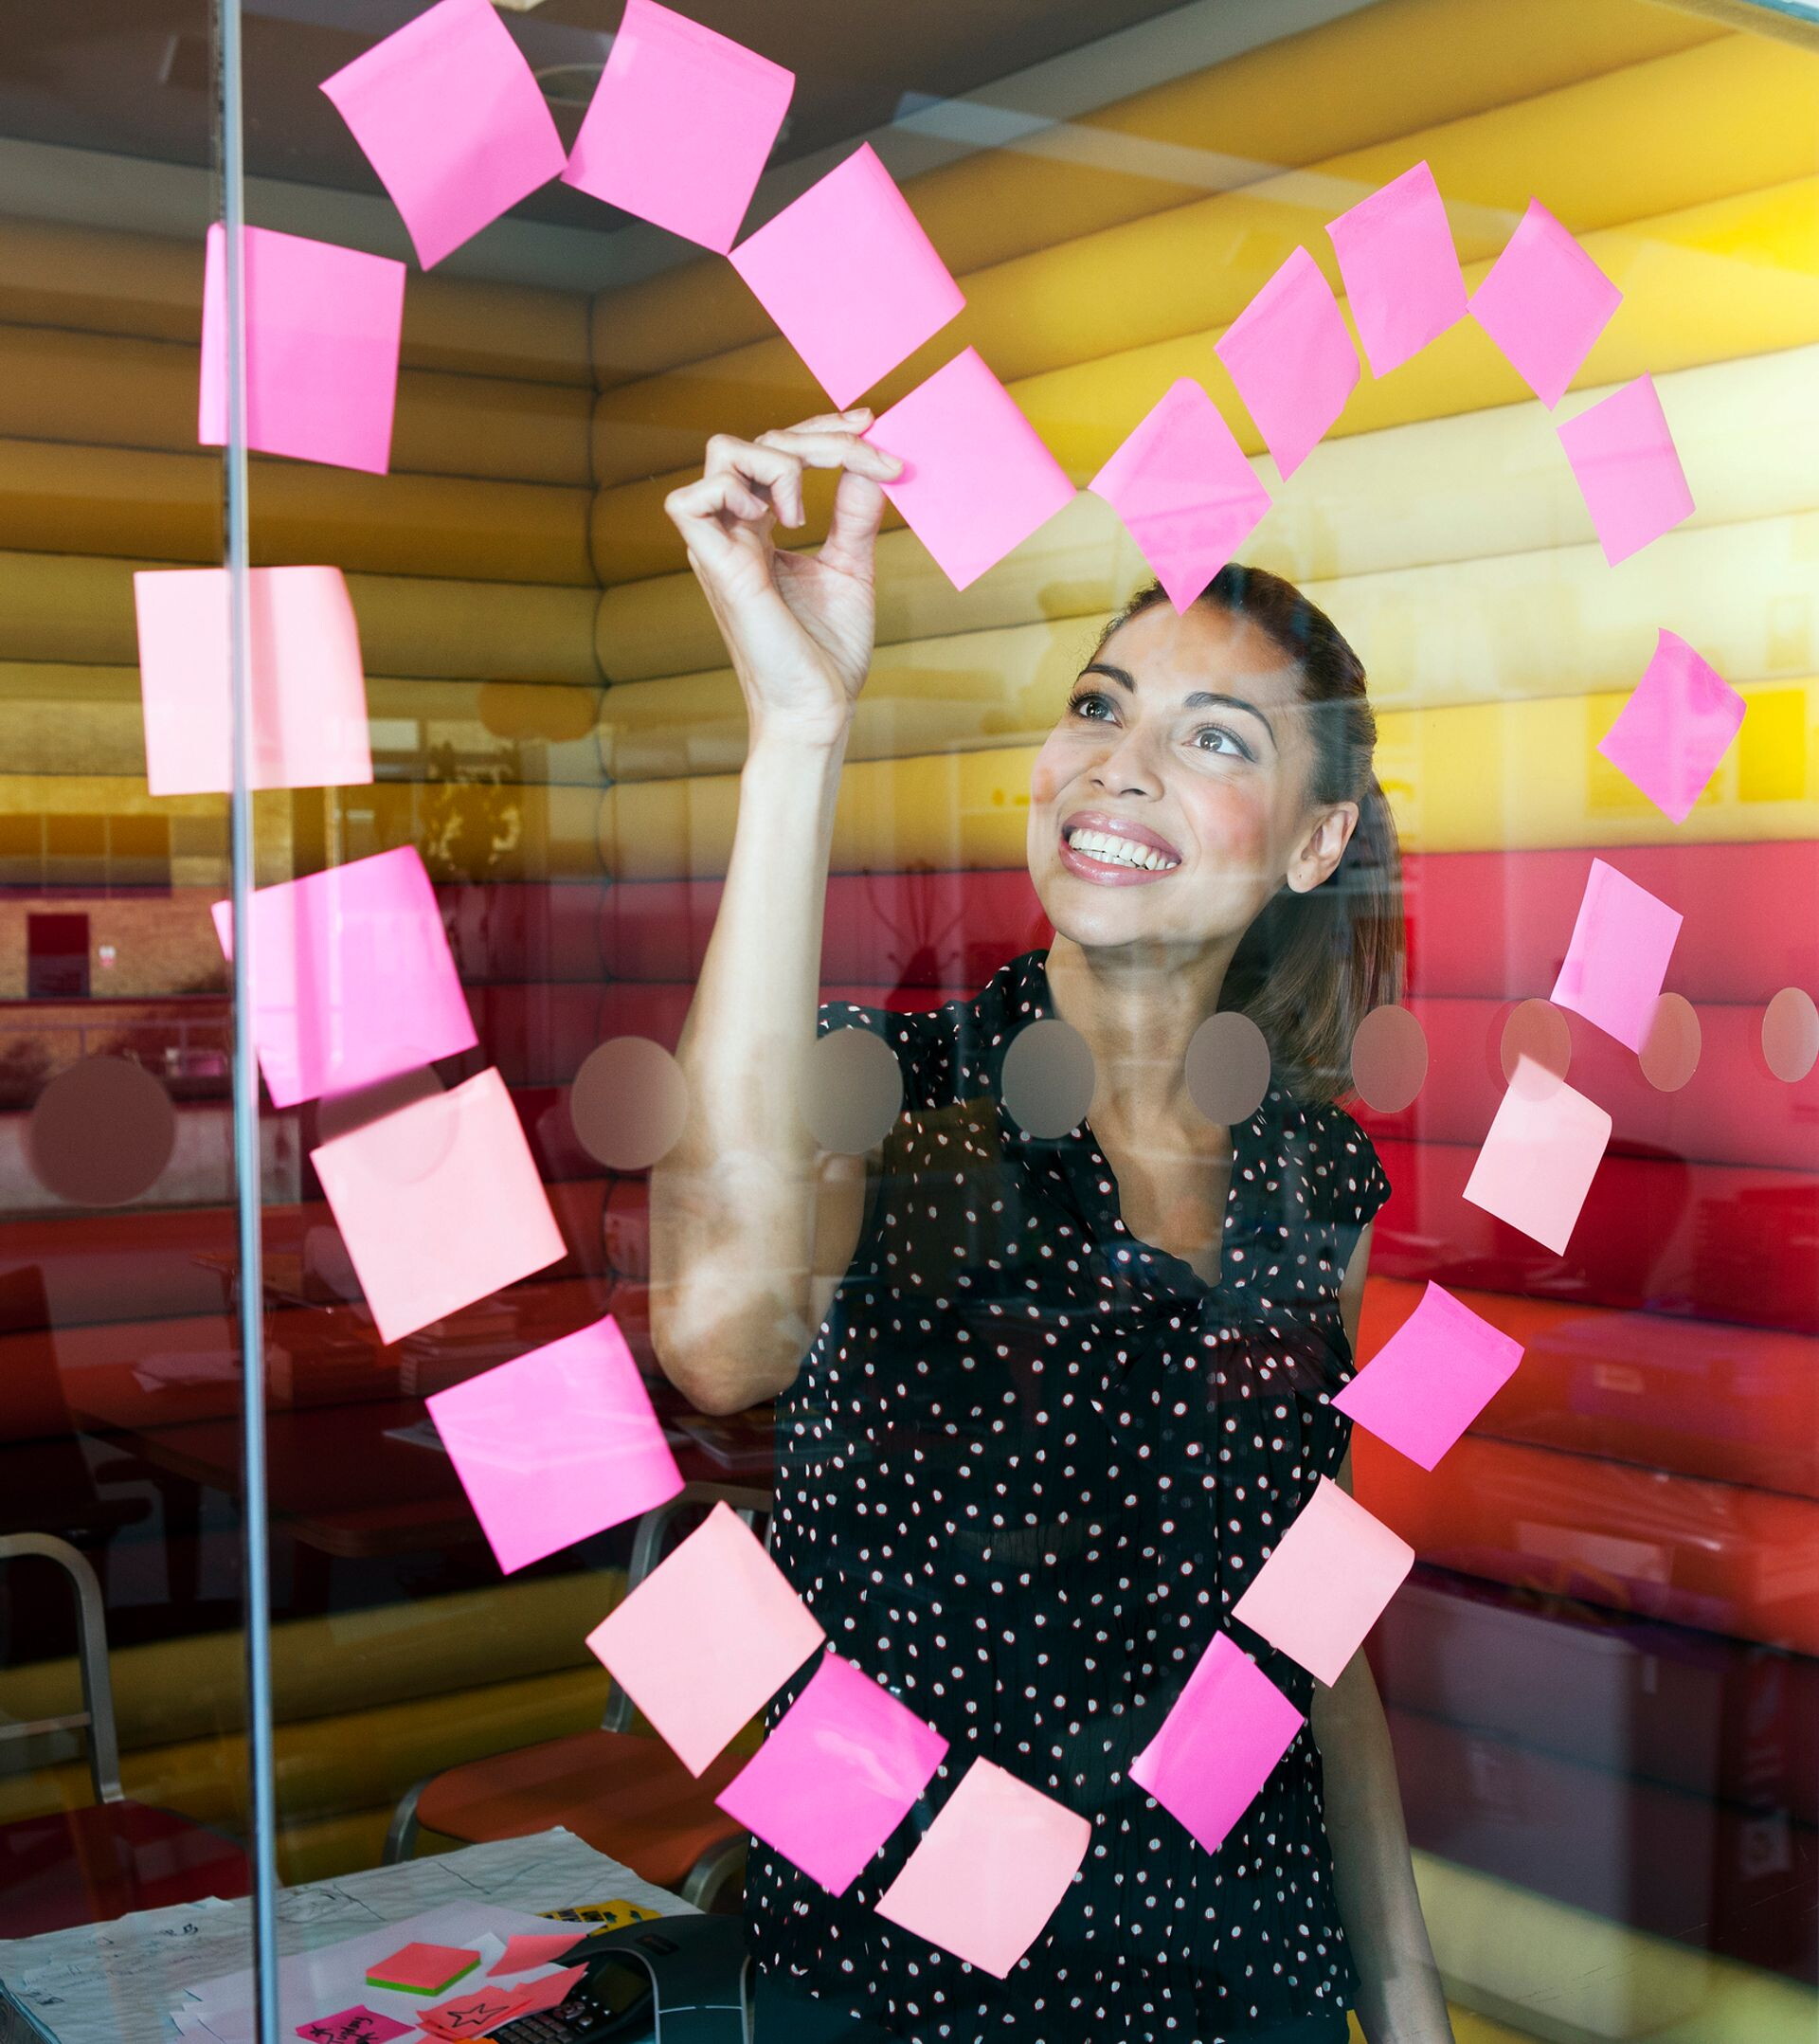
951 1051
1334 1159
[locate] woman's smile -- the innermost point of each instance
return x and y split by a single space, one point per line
1111 851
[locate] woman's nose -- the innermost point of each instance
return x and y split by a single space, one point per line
1128 766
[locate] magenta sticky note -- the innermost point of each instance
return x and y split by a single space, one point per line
307 687
836 1776
990 1870
1617 959
709 1635
1219 1744
556 1445
323 328
680 125
1432 1379
1676 727
1400 270
852 282
353 977
357 2025
1538 1160
1544 302
525 1950
1183 487
439 1203
977 480
1324 1584
1292 359
1627 470
452 119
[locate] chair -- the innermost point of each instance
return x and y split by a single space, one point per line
93 1864
626 1794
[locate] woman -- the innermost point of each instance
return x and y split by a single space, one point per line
1065 1395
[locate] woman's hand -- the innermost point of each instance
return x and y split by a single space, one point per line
798 626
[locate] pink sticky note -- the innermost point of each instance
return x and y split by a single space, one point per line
852 282
548 1993
1677 724
1219 1745
838 1776
709 1637
1184 489
680 125
423 1969
1544 302
357 2025
1538 1160
1328 1578
474 2013
452 119
323 326
352 978
1627 470
977 480
557 1444
308 688
1618 957
1292 360
1432 1379
1400 270
528 1948
990 1870
428 1240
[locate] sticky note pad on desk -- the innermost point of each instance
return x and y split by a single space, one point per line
1629 472
1292 360
423 1969
1400 268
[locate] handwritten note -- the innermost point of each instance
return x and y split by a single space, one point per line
423 1969
1321 1589
357 2025
1219 1744
852 282
1622 940
1627 470
1184 489
1432 1379
1538 1160
452 119
1292 360
307 688
323 331
1544 302
680 125
473 2013
1400 270
709 1637
1676 727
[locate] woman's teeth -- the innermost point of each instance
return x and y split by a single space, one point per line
1120 851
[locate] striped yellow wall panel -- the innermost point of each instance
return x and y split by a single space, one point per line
102 280
1733 116
1340 87
197 819
1740 277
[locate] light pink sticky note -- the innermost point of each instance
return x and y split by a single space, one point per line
528 1948
1544 302
548 1993
1614 967
352 978
1219 1745
452 119
1400 270
990 1870
1432 1379
1538 1160
852 282
308 690
838 1776
426 1240
1677 726
977 480
1292 360
1324 1585
323 328
556 1445
1184 489
709 1635
1627 470
680 125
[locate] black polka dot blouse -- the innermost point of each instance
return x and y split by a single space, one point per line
1026 1469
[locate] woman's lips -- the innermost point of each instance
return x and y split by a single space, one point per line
1106 871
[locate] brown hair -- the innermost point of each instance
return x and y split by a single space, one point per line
1311 967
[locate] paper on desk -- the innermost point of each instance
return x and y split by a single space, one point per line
1623 459
1292 360
1400 268
1617 958
1544 302
1676 727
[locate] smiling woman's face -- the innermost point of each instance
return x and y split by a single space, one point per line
1170 801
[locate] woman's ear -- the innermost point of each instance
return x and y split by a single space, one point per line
1322 849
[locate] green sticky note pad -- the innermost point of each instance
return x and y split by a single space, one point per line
423 1969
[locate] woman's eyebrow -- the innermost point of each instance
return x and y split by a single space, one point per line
1199 699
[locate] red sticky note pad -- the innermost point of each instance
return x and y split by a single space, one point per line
1628 469
1676 727
357 2025
1400 270
1184 489
1329 1577
1614 967
423 1969
1292 360
1432 1379
1544 302
308 688
709 1637
990 1870
1538 1159
474 2013
1219 1745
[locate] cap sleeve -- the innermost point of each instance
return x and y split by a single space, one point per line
1361 1185
926 1045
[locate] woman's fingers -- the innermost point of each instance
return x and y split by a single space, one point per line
700 511
772 464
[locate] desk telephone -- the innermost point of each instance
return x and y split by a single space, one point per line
673 1979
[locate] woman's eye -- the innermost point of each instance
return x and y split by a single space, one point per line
1227 741
1090 703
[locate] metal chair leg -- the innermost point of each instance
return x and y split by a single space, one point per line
401 1836
715 1881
